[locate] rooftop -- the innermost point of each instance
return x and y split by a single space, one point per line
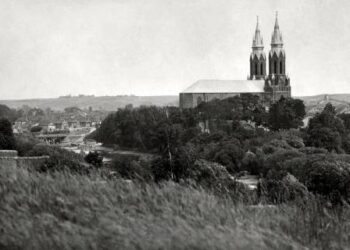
226 86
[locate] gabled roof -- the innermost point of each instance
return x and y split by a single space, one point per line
226 86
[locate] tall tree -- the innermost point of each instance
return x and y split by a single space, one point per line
7 140
286 114
325 130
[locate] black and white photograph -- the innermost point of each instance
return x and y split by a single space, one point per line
174 124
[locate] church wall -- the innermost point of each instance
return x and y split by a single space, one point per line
186 100
191 100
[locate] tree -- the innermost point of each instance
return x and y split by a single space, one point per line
228 153
286 114
246 107
325 130
7 139
6 112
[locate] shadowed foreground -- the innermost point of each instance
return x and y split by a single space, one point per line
41 211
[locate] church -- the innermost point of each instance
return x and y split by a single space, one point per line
269 88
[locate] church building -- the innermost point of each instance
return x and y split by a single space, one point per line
269 88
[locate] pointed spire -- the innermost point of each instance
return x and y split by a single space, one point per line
276 39
276 21
257 39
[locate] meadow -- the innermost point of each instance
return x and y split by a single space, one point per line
70 211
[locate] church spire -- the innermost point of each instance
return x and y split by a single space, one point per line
276 39
257 39
257 57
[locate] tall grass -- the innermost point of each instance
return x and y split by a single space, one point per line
64 211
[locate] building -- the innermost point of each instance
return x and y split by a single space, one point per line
269 88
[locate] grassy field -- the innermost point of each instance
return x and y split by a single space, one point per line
99 102
64 211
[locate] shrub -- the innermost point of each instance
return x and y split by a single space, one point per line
282 190
175 165
252 163
228 153
60 159
313 150
215 177
276 160
36 129
94 158
330 178
131 167
325 138
25 143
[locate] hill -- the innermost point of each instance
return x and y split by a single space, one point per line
316 103
99 102
110 103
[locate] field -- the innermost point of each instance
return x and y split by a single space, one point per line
65 211
109 103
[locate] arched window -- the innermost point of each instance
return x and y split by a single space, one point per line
261 69
281 69
275 67
256 69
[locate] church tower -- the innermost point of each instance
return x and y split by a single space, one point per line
277 82
257 57
277 55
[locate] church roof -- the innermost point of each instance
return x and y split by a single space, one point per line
226 86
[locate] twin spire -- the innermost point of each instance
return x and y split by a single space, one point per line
276 39
257 40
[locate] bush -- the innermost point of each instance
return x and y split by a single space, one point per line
176 165
36 129
330 178
228 153
276 161
131 167
313 150
323 174
278 191
25 143
60 159
94 158
252 163
215 177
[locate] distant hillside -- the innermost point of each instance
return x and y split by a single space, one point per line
313 103
100 102
316 103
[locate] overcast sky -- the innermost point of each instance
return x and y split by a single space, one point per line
50 48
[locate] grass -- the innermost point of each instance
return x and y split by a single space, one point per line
64 211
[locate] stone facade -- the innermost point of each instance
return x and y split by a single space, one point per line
191 100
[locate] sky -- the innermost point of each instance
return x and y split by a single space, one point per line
50 48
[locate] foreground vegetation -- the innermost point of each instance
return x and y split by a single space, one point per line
65 211
184 193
